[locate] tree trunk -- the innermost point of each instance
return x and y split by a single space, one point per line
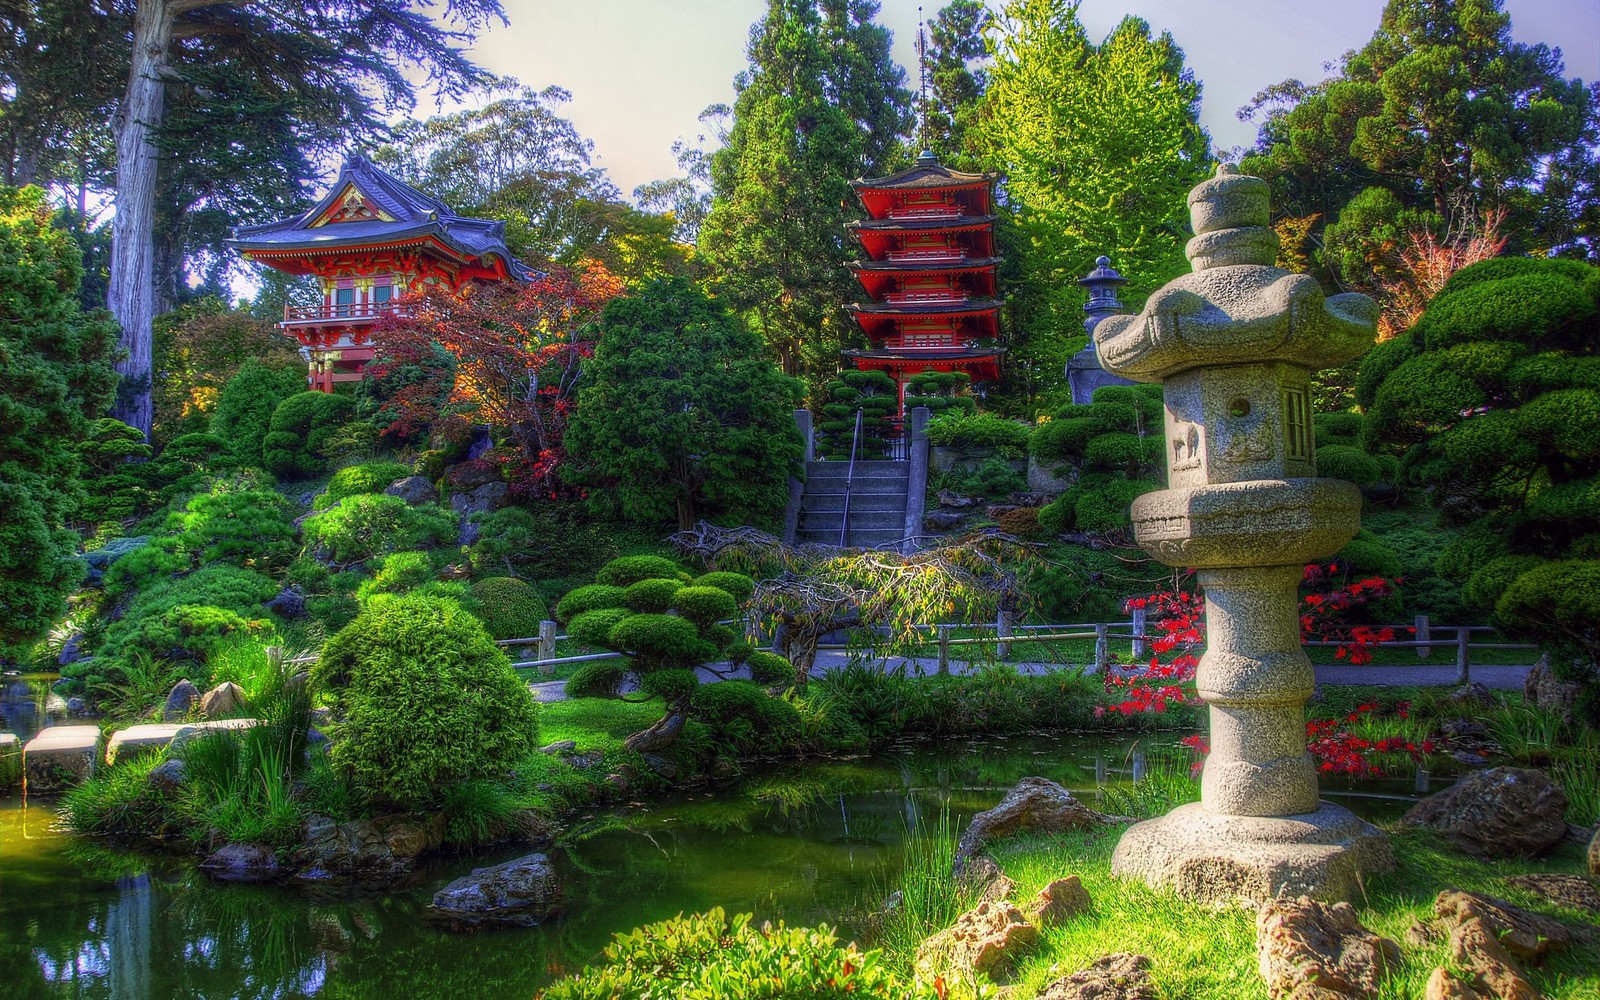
660 735
132 288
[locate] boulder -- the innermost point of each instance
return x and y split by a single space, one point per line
1594 854
168 776
413 490
1499 813
1035 805
1122 976
560 746
986 936
226 698
1028 499
983 879
950 498
943 520
71 650
1547 692
1475 948
1526 936
1470 695
182 699
534 827
1061 899
994 511
1444 985
241 863
468 476
1575 892
1305 942
664 766
100 559
482 500
519 893
289 604
370 850
77 707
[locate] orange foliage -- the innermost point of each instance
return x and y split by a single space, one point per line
1426 263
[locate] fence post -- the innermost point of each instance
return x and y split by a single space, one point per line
1102 657
1138 633
1002 632
944 650
546 649
1424 630
1463 656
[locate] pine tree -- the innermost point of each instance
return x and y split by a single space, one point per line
821 104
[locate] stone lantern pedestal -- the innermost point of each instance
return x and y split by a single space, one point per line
1234 344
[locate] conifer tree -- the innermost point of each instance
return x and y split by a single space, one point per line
820 104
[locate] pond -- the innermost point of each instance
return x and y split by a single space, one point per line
820 842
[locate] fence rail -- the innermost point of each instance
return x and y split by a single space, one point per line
1007 635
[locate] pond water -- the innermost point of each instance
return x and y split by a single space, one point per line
816 843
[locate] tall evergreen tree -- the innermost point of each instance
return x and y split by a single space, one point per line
955 79
1436 122
55 375
820 104
1099 146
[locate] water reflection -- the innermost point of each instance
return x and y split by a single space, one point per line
803 845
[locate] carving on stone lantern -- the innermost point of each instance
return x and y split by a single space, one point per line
1234 344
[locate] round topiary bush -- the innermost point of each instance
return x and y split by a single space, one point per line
509 608
600 679
423 698
661 641
355 480
736 584
742 715
652 596
590 598
292 447
769 668
399 572
593 628
627 570
670 685
704 605
363 527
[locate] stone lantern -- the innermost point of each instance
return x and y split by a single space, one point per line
1234 344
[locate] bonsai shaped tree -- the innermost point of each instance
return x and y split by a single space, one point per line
669 625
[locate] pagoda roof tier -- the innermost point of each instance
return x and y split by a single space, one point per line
881 278
982 363
973 318
923 225
368 210
886 241
881 194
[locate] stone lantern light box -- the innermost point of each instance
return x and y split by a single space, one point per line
1234 345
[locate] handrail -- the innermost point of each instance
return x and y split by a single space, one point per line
849 479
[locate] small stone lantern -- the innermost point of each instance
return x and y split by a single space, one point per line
1234 344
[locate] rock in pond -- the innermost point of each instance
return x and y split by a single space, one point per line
1122 976
1304 943
242 863
183 697
1035 805
1500 813
519 893
368 850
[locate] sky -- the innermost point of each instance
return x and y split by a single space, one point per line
641 71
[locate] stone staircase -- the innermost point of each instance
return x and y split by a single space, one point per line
877 503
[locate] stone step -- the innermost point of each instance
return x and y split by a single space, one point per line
859 487
60 757
829 521
135 741
864 470
864 538
858 502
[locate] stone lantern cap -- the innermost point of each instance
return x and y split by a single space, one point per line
1235 308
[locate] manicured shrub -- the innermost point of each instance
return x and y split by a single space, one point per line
953 429
1366 555
745 717
364 527
737 584
556 540
670 685
631 569
509 608
994 478
599 679
238 526
1485 586
1557 605
1022 522
590 598
246 404
704 606
650 596
1349 463
399 572
769 668
593 628
355 480
300 425
187 635
423 699
661 641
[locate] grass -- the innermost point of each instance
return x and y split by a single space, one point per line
1200 954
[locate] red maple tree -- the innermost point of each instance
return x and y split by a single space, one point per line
514 355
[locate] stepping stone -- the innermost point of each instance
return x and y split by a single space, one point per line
135 741
60 757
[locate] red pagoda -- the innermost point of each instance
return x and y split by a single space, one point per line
372 239
930 271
